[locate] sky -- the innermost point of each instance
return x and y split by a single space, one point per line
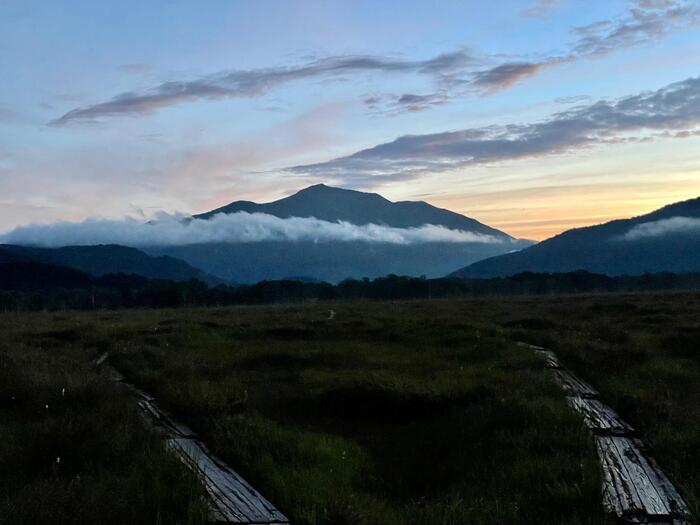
532 116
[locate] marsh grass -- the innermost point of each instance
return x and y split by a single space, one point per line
419 412
73 448
389 413
642 352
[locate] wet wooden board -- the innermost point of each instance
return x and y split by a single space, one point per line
600 418
573 385
100 360
550 359
231 498
164 422
635 488
234 500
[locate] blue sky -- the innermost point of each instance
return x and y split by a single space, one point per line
127 108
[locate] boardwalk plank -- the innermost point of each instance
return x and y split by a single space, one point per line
573 385
599 417
634 487
164 422
235 499
673 501
231 498
550 358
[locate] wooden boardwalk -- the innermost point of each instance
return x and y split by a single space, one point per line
231 498
634 487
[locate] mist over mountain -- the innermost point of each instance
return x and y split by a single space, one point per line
321 233
416 239
666 240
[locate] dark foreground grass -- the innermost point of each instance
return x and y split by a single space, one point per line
411 412
72 448
642 352
391 413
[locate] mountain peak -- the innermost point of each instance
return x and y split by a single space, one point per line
326 191
334 204
317 187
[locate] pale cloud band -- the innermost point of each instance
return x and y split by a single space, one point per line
671 111
171 230
254 83
645 21
663 227
453 73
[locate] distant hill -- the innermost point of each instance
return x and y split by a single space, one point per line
17 274
108 259
666 240
327 261
337 204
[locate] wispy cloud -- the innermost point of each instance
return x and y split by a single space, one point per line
510 73
8 115
643 22
541 7
136 68
254 83
173 230
646 20
662 228
454 73
673 110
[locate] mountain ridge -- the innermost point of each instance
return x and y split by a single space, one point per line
333 261
340 204
102 259
605 248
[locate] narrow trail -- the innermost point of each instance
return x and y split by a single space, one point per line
231 499
634 487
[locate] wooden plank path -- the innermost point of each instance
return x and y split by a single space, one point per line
231 498
634 487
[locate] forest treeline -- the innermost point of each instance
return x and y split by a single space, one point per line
35 286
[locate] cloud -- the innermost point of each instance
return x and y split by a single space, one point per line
541 7
506 75
646 20
663 227
257 82
452 72
674 108
173 230
414 103
8 115
137 68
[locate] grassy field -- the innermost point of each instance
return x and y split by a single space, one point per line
72 447
419 412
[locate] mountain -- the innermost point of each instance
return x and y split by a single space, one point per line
107 259
666 240
333 261
17 274
327 261
356 207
